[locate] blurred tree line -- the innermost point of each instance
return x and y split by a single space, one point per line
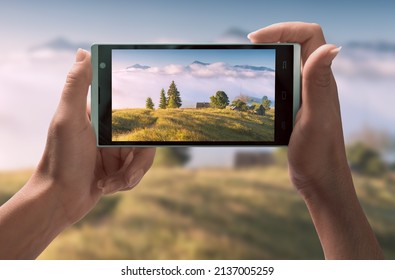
172 156
369 152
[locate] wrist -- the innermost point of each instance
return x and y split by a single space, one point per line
32 218
339 220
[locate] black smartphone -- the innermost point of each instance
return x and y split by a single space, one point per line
195 94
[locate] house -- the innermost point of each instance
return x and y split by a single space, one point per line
260 111
253 159
200 105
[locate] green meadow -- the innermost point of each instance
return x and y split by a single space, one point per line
216 213
206 124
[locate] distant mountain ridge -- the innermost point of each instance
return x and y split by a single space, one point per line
197 62
61 44
254 68
138 66
377 46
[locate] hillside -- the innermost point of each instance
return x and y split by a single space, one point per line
191 125
178 213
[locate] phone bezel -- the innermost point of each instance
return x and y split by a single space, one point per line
287 93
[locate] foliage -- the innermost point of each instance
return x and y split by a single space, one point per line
149 104
365 160
162 100
173 97
172 156
266 102
239 105
220 100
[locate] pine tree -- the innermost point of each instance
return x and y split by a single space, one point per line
172 103
162 100
173 97
149 104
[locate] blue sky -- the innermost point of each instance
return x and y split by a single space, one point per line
33 22
160 58
196 82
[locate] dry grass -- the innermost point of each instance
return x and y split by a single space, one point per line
210 214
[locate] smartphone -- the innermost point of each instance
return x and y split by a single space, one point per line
195 94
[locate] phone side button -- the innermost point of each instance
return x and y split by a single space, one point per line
283 95
284 65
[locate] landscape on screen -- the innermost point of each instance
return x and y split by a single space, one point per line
193 95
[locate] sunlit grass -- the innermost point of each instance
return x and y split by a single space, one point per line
191 125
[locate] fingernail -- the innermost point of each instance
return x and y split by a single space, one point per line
334 52
80 56
331 55
250 35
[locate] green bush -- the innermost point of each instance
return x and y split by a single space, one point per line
365 160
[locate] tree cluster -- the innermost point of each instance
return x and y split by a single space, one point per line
220 100
241 104
365 160
171 100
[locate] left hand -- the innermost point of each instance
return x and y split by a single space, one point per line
79 172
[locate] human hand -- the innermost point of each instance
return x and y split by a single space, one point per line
79 171
316 152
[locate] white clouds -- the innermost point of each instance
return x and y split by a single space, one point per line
369 64
196 83
30 87
203 70
31 83
173 69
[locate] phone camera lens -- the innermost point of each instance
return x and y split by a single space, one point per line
102 65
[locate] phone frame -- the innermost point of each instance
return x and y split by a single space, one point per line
287 93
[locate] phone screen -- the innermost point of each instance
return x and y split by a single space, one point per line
195 95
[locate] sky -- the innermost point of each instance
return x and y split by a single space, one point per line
39 39
196 82
160 58
33 22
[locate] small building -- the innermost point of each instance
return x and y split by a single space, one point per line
260 111
200 105
253 159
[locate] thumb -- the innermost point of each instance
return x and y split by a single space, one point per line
73 100
319 86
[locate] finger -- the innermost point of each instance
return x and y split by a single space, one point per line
143 159
319 86
73 101
112 159
135 165
309 35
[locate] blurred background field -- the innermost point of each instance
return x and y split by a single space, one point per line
210 213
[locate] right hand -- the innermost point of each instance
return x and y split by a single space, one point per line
316 152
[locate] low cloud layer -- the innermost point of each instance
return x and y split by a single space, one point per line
31 83
196 82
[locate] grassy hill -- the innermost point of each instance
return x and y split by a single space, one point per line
191 125
178 213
